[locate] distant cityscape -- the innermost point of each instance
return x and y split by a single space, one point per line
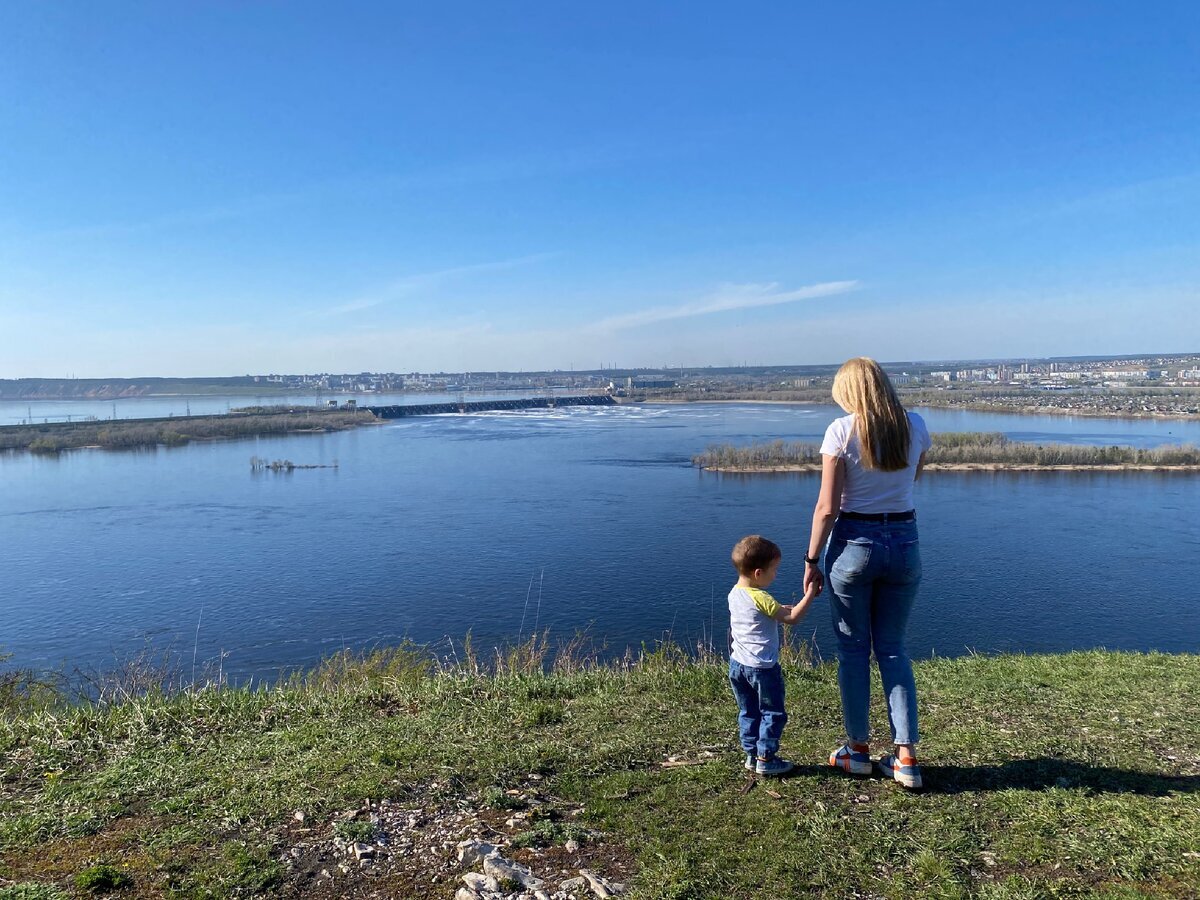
1116 372
1166 385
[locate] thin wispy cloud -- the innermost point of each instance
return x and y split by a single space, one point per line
1124 199
566 162
408 285
729 298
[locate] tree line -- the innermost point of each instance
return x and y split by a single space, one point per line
131 434
958 448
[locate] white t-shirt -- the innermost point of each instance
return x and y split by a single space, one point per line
873 490
753 632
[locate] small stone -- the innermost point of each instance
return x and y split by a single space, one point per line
572 846
300 816
600 885
363 851
480 883
465 894
573 884
471 852
325 873
506 870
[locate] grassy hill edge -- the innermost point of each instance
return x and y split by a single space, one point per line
1058 775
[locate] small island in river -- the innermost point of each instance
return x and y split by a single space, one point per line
126 434
964 452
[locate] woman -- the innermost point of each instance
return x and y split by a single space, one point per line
869 462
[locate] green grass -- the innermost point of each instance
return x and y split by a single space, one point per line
1049 776
100 879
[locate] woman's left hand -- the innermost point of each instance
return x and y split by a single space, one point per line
813 576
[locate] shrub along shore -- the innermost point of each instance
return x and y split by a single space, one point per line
962 451
1072 775
131 433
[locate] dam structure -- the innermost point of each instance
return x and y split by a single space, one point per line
471 406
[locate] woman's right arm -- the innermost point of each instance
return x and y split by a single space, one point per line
829 502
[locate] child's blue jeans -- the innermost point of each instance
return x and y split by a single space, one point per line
761 715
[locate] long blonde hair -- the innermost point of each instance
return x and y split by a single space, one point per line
863 388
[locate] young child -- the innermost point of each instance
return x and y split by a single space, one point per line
754 670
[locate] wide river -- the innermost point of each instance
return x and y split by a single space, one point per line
577 518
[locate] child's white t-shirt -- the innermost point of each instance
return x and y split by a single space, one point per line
753 633
873 490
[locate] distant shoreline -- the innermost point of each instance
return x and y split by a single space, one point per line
963 467
963 452
128 434
965 407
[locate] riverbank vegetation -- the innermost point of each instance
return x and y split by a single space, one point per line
959 450
1047 776
133 433
258 464
1132 402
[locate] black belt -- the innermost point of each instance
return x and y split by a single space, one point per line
910 516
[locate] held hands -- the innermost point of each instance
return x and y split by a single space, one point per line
813 580
812 590
790 615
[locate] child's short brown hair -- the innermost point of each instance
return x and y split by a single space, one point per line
754 552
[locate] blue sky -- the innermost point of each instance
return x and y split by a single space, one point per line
217 188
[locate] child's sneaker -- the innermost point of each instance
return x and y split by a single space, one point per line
850 760
903 769
773 766
750 761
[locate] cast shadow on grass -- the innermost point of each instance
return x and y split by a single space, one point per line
1044 773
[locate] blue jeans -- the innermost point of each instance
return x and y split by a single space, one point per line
873 570
761 715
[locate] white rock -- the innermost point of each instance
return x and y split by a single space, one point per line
480 883
299 816
472 851
573 884
572 846
363 851
600 885
506 870
465 894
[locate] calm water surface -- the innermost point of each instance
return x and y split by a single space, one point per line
567 519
